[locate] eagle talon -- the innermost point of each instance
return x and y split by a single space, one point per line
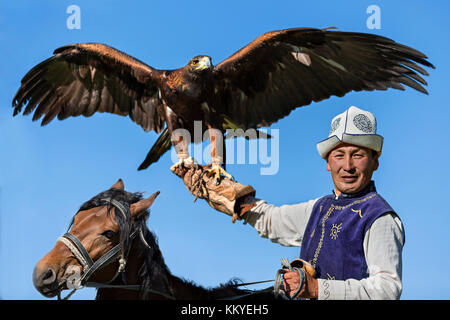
188 162
219 173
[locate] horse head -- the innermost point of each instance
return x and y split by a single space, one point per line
98 244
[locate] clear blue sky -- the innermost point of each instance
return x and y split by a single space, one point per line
46 173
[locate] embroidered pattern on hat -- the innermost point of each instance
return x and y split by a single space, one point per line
334 125
363 123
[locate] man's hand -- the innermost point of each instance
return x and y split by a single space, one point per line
292 282
292 279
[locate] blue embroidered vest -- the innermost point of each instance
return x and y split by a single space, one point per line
333 239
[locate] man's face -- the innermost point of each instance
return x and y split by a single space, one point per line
351 167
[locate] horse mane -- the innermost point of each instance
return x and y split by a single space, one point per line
154 274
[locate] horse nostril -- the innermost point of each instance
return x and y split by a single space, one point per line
49 276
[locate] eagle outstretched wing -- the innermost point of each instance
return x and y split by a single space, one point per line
282 70
82 79
255 87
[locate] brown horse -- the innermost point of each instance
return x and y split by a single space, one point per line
110 247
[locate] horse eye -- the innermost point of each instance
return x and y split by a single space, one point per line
109 234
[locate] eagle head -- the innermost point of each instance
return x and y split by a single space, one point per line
200 63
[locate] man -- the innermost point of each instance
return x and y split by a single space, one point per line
352 238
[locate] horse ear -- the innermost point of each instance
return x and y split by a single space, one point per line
143 204
118 185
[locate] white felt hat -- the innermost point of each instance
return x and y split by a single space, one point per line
354 126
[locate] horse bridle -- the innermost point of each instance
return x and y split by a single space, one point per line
89 266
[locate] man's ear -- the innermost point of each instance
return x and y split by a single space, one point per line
328 165
376 164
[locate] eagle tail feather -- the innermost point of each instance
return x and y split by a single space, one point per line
161 146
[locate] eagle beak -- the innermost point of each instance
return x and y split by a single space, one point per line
204 63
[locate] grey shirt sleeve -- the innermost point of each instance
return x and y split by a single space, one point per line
285 224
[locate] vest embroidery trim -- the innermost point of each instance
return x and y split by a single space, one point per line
325 218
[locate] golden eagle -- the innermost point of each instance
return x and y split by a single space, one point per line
256 86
